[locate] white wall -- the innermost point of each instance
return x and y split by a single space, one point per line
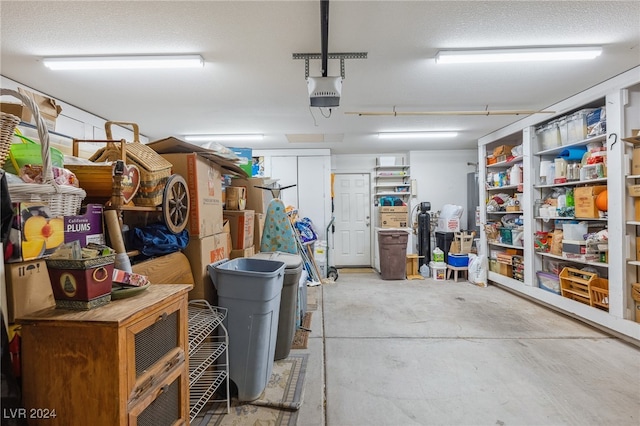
441 177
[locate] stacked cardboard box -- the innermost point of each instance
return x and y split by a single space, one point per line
241 224
207 237
393 216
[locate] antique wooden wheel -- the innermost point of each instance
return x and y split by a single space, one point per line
175 204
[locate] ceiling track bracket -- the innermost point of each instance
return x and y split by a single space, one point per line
340 56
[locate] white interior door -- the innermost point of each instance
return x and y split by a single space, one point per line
352 203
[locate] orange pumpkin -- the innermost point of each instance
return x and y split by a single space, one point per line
602 200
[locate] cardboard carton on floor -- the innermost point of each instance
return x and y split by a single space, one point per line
201 252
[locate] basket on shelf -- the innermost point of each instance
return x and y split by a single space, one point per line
600 293
576 284
635 292
8 123
63 200
154 170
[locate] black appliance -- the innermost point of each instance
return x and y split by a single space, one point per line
424 233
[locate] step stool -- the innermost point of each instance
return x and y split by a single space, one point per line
455 269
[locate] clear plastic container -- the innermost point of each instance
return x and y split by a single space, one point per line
563 130
577 125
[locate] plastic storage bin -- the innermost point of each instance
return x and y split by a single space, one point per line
392 247
250 290
548 136
288 299
439 270
549 281
458 259
577 125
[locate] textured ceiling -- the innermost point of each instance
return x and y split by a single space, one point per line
251 84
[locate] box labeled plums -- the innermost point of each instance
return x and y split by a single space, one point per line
36 233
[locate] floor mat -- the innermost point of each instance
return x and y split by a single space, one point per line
277 405
301 338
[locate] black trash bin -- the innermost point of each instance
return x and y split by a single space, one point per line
443 242
392 245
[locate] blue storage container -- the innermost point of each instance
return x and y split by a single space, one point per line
458 259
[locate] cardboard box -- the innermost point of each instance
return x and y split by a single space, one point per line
448 225
637 248
634 190
235 198
393 220
87 227
202 252
506 270
636 208
204 181
248 252
585 200
635 161
28 288
241 225
257 199
258 230
49 109
18 110
501 150
394 209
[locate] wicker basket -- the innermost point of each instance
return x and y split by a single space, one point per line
8 123
154 170
63 200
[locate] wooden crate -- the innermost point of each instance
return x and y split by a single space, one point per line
576 284
600 293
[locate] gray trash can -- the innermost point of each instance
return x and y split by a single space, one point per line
250 289
288 299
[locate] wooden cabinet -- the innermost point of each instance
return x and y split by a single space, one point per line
125 363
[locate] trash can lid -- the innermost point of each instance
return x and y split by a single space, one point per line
291 260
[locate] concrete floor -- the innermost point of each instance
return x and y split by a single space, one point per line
446 353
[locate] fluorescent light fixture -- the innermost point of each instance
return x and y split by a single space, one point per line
518 55
123 62
417 135
224 138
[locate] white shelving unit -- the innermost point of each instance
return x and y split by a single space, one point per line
208 356
621 97
392 181
488 191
